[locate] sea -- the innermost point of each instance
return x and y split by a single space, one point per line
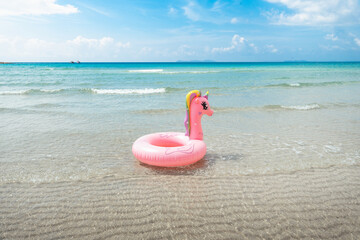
63 122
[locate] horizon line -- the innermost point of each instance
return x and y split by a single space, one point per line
286 61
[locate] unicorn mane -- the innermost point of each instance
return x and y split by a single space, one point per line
189 97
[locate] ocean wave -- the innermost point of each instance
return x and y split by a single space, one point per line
13 92
30 91
240 109
159 111
50 90
302 107
146 71
307 84
30 84
46 105
29 110
268 108
161 71
189 72
293 107
129 91
91 91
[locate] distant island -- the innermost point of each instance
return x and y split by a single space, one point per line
5 62
295 61
196 61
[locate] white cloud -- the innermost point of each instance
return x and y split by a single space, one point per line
234 20
172 11
191 11
184 50
197 12
91 43
82 48
95 9
316 12
218 5
146 50
331 37
357 41
254 47
236 44
34 7
330 48
236 40
123 45
271 48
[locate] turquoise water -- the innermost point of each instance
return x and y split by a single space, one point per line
69 122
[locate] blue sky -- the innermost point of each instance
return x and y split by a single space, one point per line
140 30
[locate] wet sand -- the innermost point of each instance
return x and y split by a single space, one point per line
310 204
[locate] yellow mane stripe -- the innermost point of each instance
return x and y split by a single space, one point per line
197 92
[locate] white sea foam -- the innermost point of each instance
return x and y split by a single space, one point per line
189 72
29 91
13 92
146 71
169 72
294 84
302 107
129 91
50 90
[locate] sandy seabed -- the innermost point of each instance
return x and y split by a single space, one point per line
308 204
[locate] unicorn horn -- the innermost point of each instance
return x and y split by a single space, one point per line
206 95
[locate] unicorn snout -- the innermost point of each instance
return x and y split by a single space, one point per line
209 112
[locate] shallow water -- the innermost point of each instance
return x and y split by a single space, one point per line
67 122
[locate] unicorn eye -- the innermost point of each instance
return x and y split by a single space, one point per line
205 107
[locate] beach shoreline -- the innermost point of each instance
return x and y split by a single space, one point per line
282 160
313 203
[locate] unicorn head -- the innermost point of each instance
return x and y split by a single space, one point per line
196 106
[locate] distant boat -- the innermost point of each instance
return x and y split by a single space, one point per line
72 62
78 61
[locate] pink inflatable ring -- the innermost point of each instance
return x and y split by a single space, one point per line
172 149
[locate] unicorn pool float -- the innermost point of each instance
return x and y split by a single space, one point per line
172 149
